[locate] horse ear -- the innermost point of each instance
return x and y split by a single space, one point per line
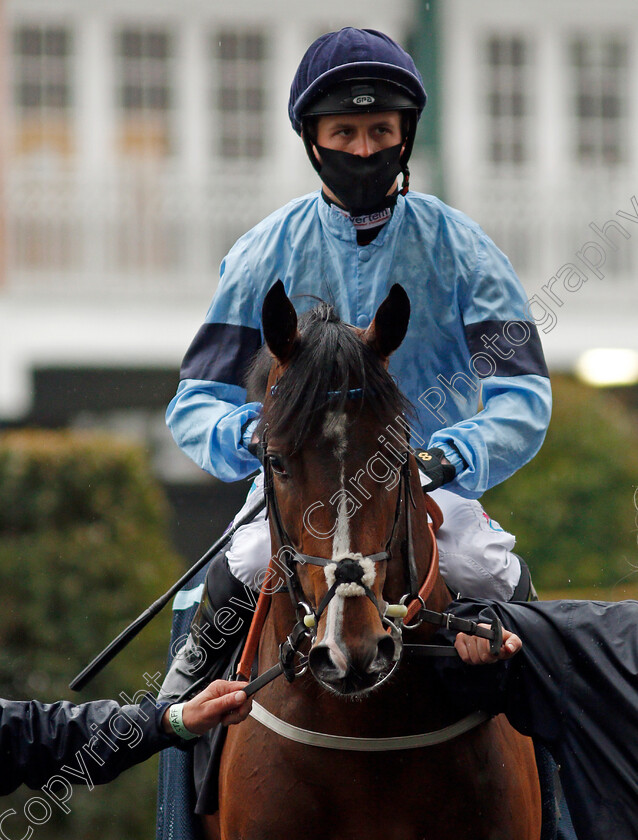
279 321
390 324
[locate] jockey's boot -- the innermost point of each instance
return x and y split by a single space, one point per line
221 622
524 590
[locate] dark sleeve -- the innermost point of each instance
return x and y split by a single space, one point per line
89 744
574 686
505 348
221 353
527 688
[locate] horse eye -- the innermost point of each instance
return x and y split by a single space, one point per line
277 465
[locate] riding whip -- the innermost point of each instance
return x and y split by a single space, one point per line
130 632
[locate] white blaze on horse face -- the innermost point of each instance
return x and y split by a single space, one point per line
332 637
341 538
334 429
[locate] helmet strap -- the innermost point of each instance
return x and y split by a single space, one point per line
406 180
407 150
307 135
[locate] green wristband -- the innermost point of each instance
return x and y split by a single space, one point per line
177 724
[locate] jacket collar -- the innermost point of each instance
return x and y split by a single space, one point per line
340 226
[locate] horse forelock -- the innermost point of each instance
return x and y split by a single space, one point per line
329 362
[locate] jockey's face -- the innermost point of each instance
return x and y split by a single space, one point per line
359 134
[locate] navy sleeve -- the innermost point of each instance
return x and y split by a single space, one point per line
505 348
221 353
574 686
64 744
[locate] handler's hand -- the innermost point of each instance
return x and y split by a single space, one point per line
221 702
476 651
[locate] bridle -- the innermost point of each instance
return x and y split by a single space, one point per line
408 614
348 570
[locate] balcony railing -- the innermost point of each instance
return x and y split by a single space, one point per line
149 232
129 234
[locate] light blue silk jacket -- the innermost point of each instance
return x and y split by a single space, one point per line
470 340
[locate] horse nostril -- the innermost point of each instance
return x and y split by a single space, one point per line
385 652
352 671
322 663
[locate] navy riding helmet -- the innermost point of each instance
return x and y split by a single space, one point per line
356 71
347 59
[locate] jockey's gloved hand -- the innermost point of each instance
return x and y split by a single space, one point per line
255 448
434 466
250 439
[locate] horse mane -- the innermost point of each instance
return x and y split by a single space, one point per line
329 361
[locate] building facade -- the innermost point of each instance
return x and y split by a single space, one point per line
540 127
142 138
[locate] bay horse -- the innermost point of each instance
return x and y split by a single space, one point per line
344 494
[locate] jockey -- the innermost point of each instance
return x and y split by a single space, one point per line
355 101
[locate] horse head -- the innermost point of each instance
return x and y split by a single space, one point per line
338 481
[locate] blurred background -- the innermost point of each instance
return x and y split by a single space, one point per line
140 139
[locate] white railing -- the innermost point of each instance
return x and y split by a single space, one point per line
131 234
544 227
146 232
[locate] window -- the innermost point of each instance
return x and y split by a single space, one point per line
507 105
239 95
42 90
599 75
144 70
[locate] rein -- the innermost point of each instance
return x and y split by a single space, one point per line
355 744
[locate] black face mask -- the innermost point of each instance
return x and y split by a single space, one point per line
360 183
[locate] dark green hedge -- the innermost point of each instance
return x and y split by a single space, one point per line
84 549
573 507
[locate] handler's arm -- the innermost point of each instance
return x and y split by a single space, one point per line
90 744
221 702
527 687
94 742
